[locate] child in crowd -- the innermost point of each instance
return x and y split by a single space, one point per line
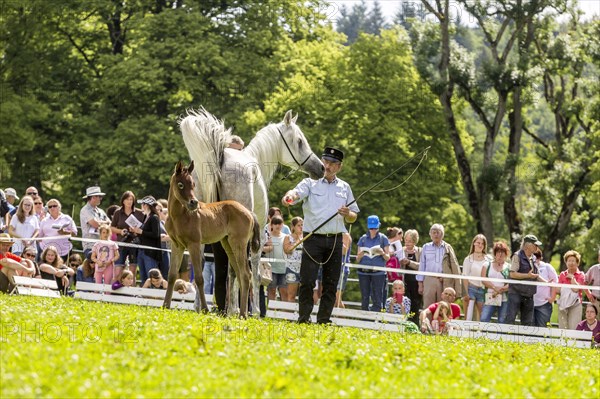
155 280
74 262
53 268
126 279
183 287
442 315
398 303
104 255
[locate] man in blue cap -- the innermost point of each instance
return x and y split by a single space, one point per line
321 199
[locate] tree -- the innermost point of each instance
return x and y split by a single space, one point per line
360 19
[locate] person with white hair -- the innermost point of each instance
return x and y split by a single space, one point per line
437 256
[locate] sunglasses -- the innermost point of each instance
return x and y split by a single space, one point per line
29 255
52 206
38 203
32 193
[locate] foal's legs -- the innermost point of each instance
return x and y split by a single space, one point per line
237 252
176 256
196 256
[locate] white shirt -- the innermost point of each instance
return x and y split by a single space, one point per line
542 294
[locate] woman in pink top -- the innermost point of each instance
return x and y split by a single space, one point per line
569 311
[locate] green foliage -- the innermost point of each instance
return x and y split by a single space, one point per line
73 348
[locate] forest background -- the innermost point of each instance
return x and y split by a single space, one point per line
509 103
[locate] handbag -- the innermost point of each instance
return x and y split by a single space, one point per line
567 298
266 273
492 300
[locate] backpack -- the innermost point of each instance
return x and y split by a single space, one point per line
393 263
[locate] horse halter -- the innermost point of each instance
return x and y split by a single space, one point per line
292 154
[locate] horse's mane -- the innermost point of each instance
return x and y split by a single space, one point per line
264 147
205 138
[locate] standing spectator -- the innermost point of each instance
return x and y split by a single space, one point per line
437 256
24 225
344 271
53 268
394 235
323 198
38 208
90 218
590 323
373 250
293 258
592 277
236 142
10 195
476 261
496 299
569 303
127 254
273 249
59 225
413 256
165 240
274 211
104 255
11 264
149 236
544 296
398 303
520 296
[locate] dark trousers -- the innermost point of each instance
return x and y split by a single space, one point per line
416 299
372 285
321 248
221 267
542 314
518 303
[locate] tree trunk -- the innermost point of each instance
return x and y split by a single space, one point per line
511 214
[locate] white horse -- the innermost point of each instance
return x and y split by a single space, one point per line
244 176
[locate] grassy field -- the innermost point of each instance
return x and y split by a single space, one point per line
73 348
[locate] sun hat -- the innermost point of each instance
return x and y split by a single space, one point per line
5 238
91 191
11 192
148 200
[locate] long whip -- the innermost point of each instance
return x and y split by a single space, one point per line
423 154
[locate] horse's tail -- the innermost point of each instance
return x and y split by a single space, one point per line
255 243
206 139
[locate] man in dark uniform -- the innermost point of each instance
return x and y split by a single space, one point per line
321 199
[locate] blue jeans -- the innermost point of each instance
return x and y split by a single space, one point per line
519 303
145 263
489 310
542 314
371 287
208 273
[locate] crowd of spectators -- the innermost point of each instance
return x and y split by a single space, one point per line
36 242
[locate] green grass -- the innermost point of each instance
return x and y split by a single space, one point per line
73 348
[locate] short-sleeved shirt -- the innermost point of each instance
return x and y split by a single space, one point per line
86 214
579 277
119 219
455 310
105 251
380 240
321 200
431 259
25 230
543 292
12 256
592 277
277 256
62 242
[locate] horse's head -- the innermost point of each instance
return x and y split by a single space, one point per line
182 186
296 152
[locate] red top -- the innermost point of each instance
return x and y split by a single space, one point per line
455 310
579 277
8 255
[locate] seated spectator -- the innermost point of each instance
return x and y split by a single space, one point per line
30 253
183 287
448 295
440 318
53 268
126 279
398 303
85 272
24 225
155 280
74 262
11 264
590 323
104 255
59 225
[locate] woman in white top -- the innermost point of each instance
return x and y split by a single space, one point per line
293 258
472 266
24 225
496 297
273 250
